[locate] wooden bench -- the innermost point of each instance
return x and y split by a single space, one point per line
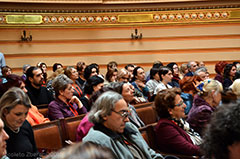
147 113
43 109
71 125
51 136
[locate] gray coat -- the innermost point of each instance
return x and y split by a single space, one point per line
105 137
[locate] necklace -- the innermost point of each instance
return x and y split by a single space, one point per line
15 131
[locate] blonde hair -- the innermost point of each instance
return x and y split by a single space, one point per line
55 74
209 85
236 87
122 73
11 98
183 67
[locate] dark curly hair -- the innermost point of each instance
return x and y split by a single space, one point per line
91 82
227 70
222 132
164 100
88 70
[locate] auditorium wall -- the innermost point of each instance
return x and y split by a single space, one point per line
173 41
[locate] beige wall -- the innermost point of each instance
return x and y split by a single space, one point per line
179 43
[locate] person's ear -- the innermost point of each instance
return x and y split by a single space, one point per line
61 92
162 76
105 118
30 79
5 112
170 111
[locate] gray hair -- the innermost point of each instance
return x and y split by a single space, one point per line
11 98
189 64
103 106
60 83
200 69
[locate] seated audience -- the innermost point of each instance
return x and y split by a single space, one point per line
43 67
174 135
219 68
34 116
183 69
165 75
3 138
204 104
235 87
112 65
188 86
112 129
139 81
85 150
157 64
85 125
72 73
38 94
237 75
130 68
192 66
222 136
228 75
91 70
175 71
123 75
80 69
111 76
236 64
6 70
25 67
92 85
200 63
127 92
14 106
202 73
51 78
65 105
154 80
57 66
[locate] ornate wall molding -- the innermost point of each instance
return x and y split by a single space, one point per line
120 18
98 1
102 15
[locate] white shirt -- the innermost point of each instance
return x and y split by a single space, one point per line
161 86
151 85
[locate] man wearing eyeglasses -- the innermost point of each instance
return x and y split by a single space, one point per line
192 66
112 129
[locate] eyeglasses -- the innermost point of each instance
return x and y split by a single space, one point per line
180 104
123 114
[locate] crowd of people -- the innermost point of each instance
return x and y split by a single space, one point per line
185 98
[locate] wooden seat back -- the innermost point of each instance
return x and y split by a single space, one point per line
149 135
71 125
44 112
147 113
49 136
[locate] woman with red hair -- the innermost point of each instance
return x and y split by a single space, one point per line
219 68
